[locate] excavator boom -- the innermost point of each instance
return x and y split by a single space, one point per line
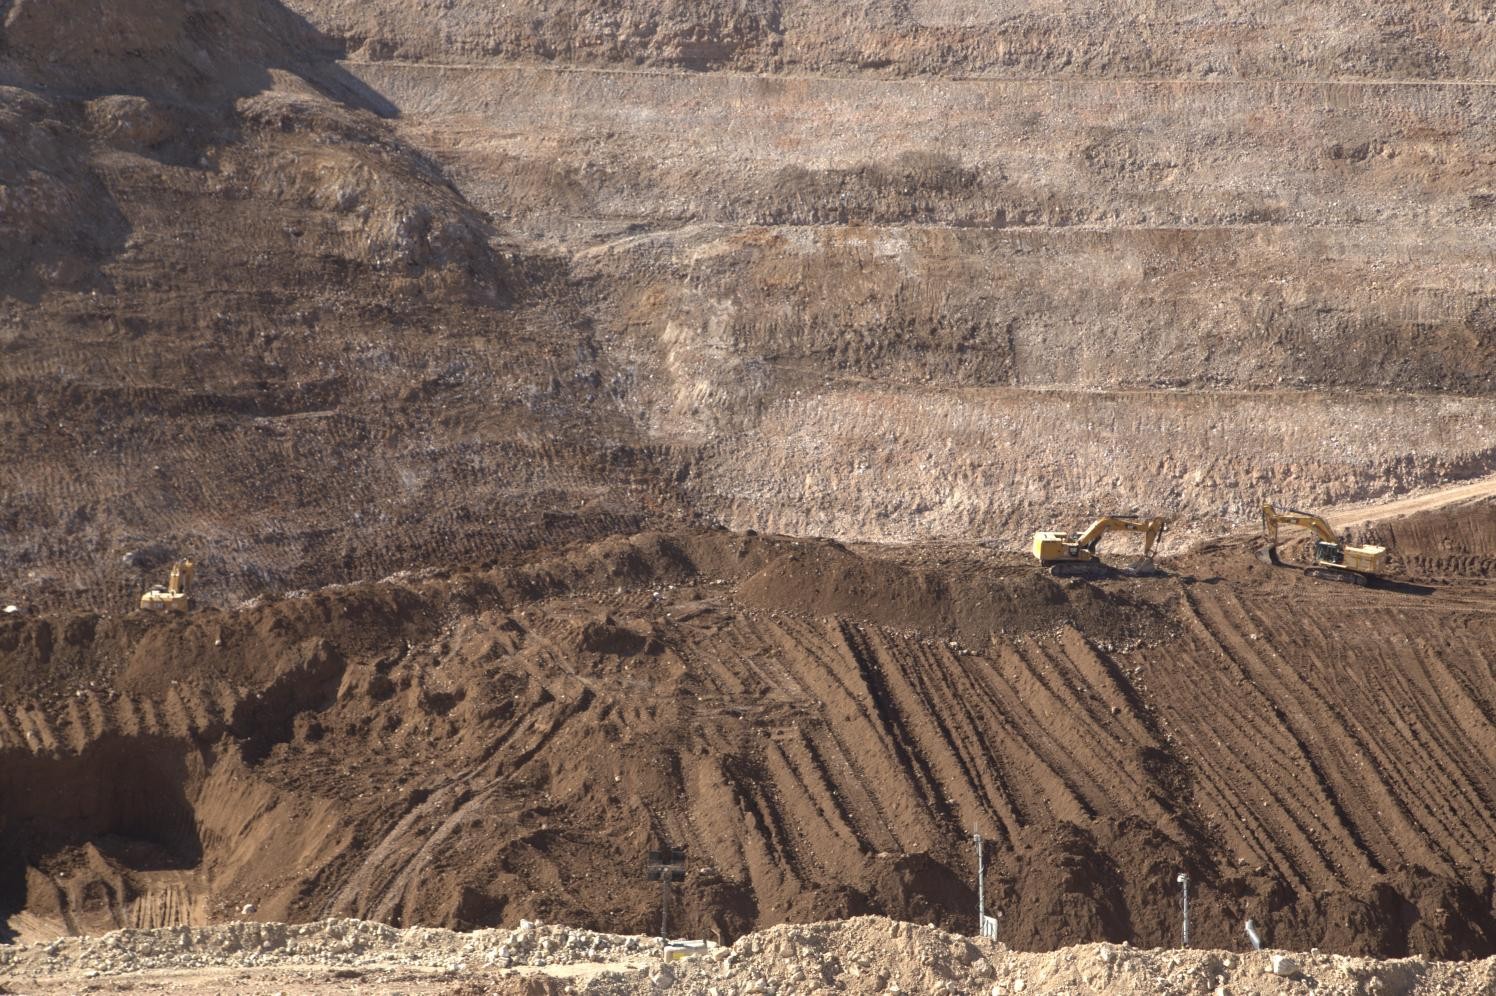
173 597
1333 559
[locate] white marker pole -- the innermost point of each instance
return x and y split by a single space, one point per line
1184 884
981 869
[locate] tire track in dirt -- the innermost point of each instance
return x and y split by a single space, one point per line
873 776
1430 700
1291 742
1374 828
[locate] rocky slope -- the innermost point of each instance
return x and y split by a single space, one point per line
864 955
320 291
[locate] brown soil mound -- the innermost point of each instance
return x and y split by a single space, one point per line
819 726
1455 542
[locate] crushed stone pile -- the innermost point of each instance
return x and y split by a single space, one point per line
877 955
327 943
860 955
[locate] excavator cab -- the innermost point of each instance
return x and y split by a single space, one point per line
1328 553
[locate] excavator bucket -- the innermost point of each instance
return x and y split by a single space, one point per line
1268 554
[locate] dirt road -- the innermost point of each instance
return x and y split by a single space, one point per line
1355 515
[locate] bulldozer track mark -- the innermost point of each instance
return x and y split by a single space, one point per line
1319 742
844 710
868 667
1324 800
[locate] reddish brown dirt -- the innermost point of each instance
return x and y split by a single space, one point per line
819 725
512 319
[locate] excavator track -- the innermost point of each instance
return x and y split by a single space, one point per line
1090 570
1343 577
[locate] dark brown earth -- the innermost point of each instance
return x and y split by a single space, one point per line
819 725
489 361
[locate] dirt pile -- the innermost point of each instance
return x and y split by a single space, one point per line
863 955
327 943
819 725
873 955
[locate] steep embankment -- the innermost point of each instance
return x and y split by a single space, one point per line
242 321
819 726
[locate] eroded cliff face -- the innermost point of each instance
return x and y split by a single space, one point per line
464 297
324 290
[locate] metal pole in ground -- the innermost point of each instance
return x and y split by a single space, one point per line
986 925
981 880
666 865
1184 883
664 911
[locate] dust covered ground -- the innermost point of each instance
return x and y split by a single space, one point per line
863 955
598 422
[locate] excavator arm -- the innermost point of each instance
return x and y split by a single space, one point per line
1151 529
1272 518
1333 559
181 577
1074 554
173 597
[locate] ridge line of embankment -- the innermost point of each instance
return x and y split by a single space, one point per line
919 78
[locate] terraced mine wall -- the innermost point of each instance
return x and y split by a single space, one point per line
520 310
322 291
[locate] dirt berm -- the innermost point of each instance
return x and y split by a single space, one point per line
820 726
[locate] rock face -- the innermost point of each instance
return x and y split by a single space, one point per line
547 312
326 290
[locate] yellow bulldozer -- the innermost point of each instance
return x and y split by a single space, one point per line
174 597
1333 559
1075 555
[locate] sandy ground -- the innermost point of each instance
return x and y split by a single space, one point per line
866 955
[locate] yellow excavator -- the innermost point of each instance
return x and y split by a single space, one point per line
1074 554
174 597
1333 559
